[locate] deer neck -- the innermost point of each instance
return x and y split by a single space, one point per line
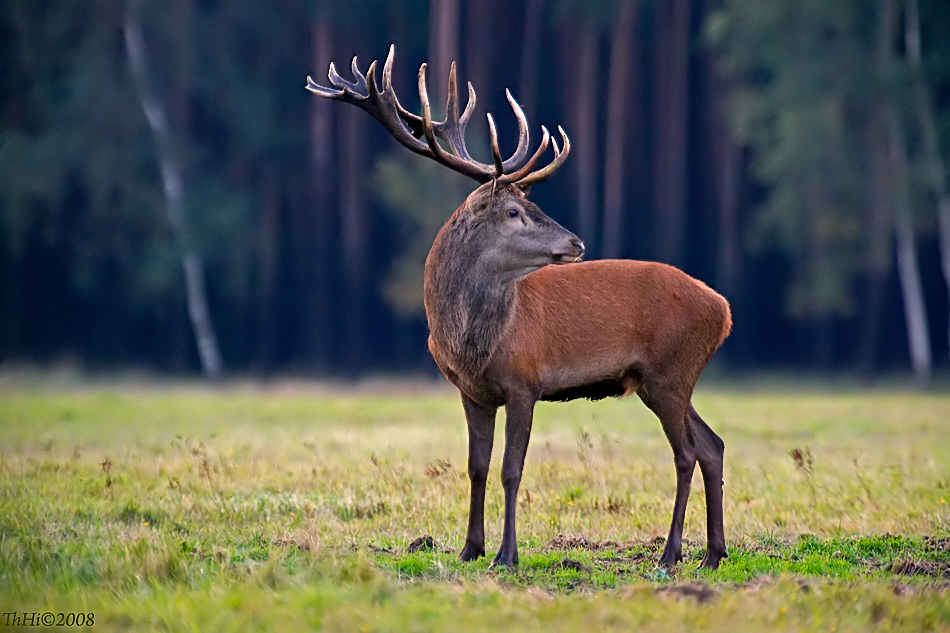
469 302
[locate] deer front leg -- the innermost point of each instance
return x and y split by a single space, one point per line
481 432
519 413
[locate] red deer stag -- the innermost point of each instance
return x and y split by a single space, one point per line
508 330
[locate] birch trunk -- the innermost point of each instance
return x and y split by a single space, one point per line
173 183
881 185
908 270
935 170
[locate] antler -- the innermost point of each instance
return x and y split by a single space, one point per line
421 134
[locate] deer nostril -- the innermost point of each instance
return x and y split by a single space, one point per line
579 245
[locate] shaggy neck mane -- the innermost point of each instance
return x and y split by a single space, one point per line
468 304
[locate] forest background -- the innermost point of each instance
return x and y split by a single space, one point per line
173 199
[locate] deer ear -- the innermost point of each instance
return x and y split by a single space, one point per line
479 201
524 189
479 210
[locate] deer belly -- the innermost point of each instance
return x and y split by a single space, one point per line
565 384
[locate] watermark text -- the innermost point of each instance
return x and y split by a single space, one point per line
46 618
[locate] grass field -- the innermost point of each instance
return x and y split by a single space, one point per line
310 507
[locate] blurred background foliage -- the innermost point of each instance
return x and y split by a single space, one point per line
792 154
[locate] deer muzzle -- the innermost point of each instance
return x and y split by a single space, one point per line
573 253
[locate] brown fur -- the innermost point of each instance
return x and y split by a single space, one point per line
612 319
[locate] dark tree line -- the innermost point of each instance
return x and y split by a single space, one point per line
167 186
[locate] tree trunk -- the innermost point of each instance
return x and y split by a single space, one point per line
267 263
315 247
816 261
918 337
879 225
354 237
443 49
908 270
480 47
725 157
173 181
530 53
618 112
672 69
585 123
881 184
935 170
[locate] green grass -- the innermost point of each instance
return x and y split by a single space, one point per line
295 508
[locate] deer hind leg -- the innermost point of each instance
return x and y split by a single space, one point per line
671 409
709 452
481 432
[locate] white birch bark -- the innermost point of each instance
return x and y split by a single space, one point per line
935 169
908 270
173 182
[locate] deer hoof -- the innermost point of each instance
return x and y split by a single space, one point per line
505 559
711 559
471 552
669 559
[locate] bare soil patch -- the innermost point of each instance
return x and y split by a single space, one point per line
906 567
699 591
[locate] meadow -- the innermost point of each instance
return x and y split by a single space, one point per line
342 508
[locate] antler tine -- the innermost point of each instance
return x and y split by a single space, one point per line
526 170
343 84
452 100
322 91
546 171
343 90
495 152
356 71
470 168
365 95
503 166
522 149
451 129
413 121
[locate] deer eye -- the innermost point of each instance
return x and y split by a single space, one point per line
513 212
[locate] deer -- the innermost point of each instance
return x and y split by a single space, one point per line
516 317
